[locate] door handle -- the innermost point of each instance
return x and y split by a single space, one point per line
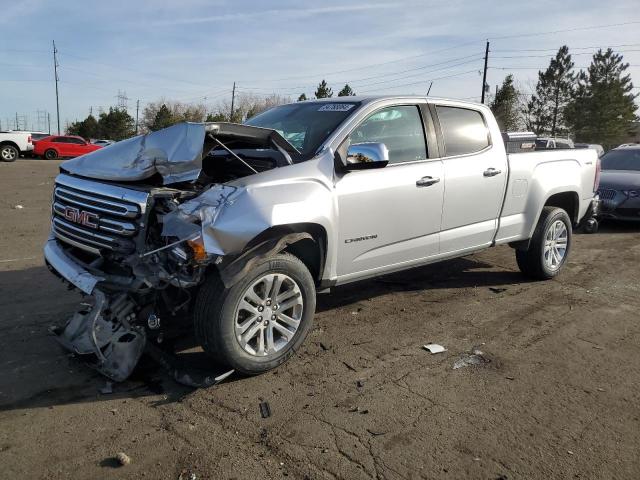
491 172
427 181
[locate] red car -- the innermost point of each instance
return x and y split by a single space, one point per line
62 146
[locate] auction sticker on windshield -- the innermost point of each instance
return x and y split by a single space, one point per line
336 107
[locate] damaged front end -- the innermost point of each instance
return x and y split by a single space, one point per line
134 229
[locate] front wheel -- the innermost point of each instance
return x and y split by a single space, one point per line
549 246
261 321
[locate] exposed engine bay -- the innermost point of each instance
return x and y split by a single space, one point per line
133 229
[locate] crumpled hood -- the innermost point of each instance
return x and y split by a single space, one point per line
174 152
620 179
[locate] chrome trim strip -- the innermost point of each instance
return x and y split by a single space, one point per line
111 191
119 209
126 229
73 243
82 231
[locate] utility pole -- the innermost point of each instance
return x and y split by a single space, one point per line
49 122
55 71
484 75
137 108
233 99
17 124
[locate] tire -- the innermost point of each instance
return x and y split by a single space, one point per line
221 314
538 263
591 226
50 154
9 153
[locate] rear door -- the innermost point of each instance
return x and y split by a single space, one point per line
390 216
475 179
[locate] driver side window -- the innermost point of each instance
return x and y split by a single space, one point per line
400 128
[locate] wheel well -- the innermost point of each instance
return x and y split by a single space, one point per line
311 252
13 144
568 201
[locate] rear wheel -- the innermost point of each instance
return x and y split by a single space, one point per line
261 321
549 246
9 153
50 154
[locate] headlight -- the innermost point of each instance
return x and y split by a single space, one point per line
630 193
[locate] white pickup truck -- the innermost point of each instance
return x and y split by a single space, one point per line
13 144
235 227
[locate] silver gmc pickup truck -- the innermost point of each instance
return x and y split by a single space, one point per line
236 227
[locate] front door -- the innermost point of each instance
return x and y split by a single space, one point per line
390 216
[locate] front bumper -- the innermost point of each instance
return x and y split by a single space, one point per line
60 263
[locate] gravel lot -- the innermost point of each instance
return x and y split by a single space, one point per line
558 399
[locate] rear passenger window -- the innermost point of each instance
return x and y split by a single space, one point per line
399 128
464 130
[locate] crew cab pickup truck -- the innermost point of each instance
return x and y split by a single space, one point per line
13 144
236 227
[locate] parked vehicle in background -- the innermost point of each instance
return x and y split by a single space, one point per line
619 188
63 146
234 227
103 143
13 144
593 146
552 143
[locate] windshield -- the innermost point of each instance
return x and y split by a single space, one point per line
626 159
305 125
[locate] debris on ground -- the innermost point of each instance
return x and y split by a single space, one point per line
497 289
359 383
375 433
434 348
18 207
476 357
185 475
107 389
265 409
349 366
123 458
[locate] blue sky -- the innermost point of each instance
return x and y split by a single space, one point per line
193 50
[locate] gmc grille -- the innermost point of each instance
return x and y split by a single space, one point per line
96 216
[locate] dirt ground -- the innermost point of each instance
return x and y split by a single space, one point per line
362 399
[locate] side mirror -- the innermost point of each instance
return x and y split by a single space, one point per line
363 156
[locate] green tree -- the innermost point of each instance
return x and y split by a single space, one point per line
87 128
554 91
603 107
302 97
346 91
505 105
162 119
216 117
116 125
323 90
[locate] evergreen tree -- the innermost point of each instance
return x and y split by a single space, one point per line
116 125
603 107
505 105
87 128
162 119
545 111
346 91
302 97
323 90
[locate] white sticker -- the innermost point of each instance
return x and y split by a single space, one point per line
336 107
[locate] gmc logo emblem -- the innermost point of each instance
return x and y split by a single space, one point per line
76 215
